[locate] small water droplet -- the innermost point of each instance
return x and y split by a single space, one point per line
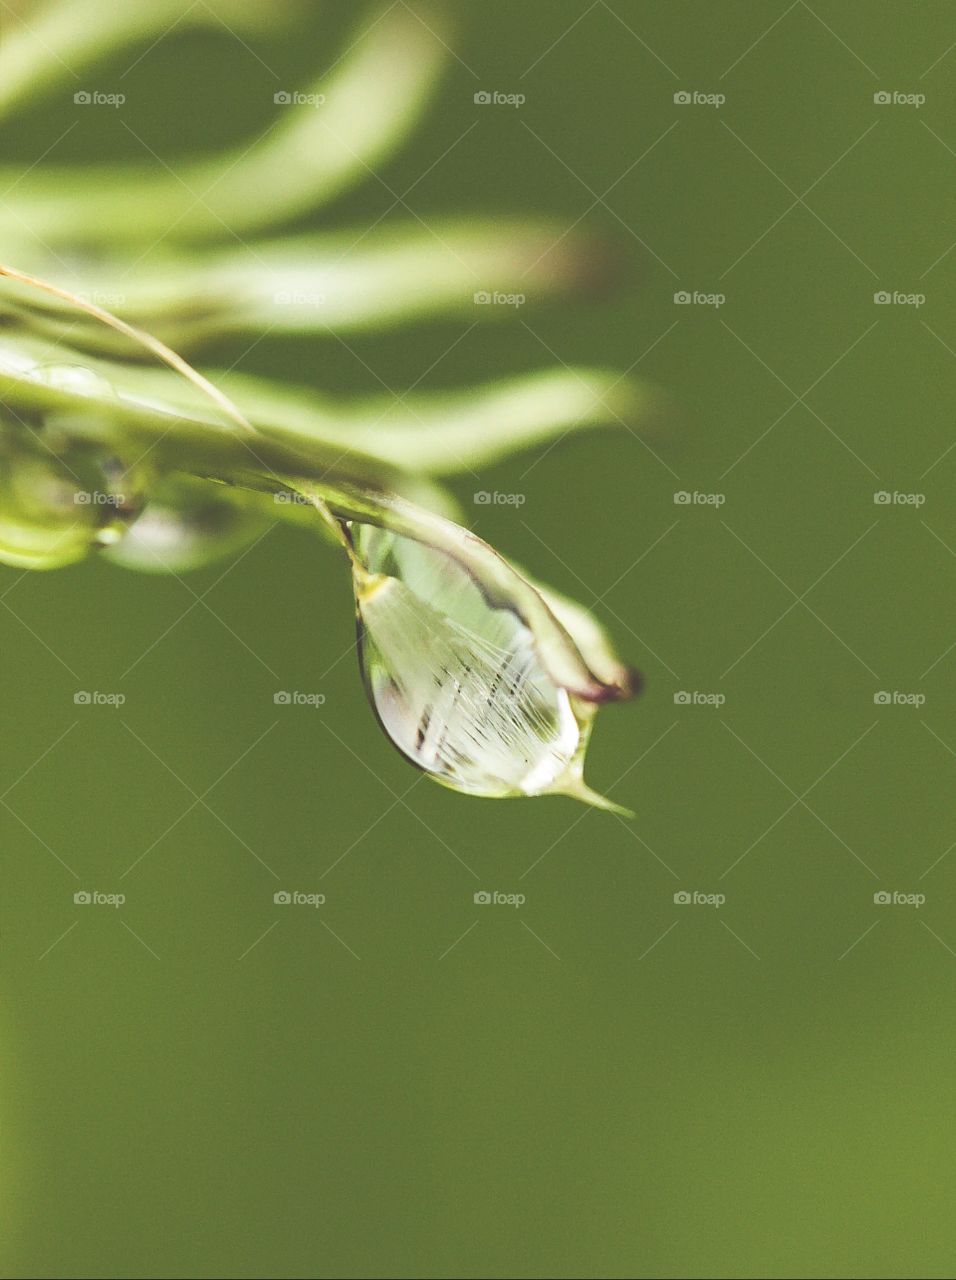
73 378
186 524
56 507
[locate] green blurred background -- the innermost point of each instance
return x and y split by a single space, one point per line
602 1081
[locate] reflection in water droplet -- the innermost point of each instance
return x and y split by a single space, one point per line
185 525
457 683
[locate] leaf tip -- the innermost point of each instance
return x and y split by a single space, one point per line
578 789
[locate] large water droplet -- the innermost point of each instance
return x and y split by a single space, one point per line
457 683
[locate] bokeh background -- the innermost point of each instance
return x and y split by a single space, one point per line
603 1080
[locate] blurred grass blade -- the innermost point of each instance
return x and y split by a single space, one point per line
158 416
311 154
53 42
442 433
349 281
433 433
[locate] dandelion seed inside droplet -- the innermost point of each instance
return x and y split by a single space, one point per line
457 683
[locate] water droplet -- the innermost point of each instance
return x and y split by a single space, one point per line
56 507
75 379
457 683
186 524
